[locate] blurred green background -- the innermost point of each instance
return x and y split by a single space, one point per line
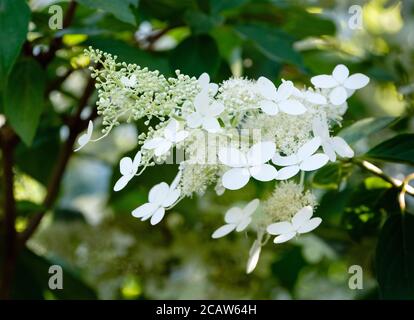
89 231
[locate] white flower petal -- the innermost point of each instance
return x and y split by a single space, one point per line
232 157
292 107
153 143
125 166
269 107
356 81
201 102
284 237
324 81
329 150
203 80
122 182
309 148
145 209
235 178
285 160
315 98
171 129
216 108
243 224
302 216
280 228
266 88
264 172
211 124
180 136
163 148
251 207
342 148
136 162
320 128
194 120
223 231
338 96
213 88
157 216
314 162
287 172
284 91
171 197
84 138
254 255
261 152
310 225
158 193
233 215
340 73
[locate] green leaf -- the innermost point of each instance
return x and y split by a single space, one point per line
200 22
288 267
195 55
302 24
45 148
23 99
330 176
395 258
38 266
365 127
121 9
397 149
14 23
217 6
273 43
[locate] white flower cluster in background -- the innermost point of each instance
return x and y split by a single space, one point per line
229 133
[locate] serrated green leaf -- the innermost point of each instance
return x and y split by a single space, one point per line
14 23
395 258
23 99
397 149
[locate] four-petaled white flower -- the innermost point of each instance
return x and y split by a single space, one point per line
246 165
237 219
279 99
302 222
160 197
86 137
172 135
128 169
331 145
206 112
129 82
341 83
206 85
305 159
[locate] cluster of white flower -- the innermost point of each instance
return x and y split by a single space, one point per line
229 133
